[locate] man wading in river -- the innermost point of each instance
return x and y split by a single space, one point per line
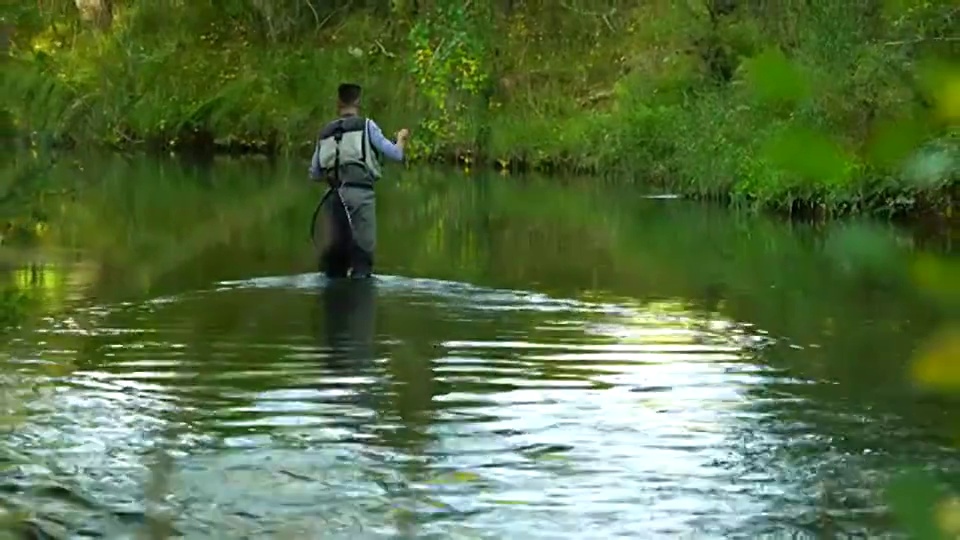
347 157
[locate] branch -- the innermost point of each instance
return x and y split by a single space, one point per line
383 49
596 97
945 39
316 16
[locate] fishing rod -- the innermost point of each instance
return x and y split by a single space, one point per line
316 212
333 187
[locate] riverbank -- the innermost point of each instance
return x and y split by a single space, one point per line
803 112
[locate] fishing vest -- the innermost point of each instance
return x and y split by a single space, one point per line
346 155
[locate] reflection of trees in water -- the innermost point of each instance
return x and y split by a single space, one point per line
145 220
11 308
26 192
29 289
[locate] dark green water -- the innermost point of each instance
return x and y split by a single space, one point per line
538 358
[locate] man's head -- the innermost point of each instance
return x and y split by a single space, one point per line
348 96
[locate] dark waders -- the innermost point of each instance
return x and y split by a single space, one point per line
345 231
344 227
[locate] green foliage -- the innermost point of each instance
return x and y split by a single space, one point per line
915 503
775 79
823 107
447 65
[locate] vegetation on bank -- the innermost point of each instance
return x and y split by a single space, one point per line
833 106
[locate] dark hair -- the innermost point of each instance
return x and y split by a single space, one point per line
348 93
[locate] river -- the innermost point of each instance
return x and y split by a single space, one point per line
537 358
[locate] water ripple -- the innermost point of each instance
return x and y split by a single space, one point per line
416 407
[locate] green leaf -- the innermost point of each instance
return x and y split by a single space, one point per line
773 78
809 154
913 497
892 141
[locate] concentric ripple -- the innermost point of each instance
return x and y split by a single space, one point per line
291 406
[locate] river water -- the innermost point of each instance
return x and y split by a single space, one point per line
538 358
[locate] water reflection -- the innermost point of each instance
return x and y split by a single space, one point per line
412 407
693 372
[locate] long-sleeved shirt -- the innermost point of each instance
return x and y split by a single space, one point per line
377 139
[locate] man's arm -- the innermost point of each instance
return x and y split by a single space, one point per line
393 151
316 173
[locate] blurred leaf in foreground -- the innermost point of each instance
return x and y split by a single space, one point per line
893 141
864 248
941 80
774 78
931 166
936 364
948 99
938 277
948 516
809 154
914 500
